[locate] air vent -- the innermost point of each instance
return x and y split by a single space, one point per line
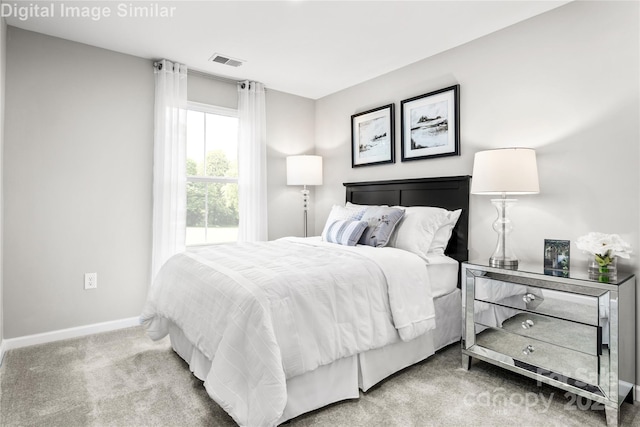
226 60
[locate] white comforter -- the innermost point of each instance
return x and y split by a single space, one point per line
264 312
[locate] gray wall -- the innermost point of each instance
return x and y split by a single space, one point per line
290 131
564 83
78 172
212 91
3 50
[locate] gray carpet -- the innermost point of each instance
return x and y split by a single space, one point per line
124 379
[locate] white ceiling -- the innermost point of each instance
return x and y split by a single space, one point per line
307 48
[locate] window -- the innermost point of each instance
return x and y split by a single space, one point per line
212 174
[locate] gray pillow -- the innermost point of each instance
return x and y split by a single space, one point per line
382 221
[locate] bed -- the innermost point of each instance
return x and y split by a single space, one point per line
272 343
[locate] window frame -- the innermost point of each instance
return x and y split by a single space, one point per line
221 111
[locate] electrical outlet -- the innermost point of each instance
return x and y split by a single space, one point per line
90 280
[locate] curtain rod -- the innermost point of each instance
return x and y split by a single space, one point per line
216 77
212 76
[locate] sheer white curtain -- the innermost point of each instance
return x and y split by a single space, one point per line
252 162
169 163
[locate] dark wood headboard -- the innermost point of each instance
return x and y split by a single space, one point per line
450 193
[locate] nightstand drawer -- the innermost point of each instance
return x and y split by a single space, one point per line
563 333
565 305
570 363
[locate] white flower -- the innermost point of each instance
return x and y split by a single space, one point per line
604 245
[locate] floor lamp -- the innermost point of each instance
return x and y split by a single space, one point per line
505 172
304 170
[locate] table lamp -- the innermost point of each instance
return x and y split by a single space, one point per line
506 171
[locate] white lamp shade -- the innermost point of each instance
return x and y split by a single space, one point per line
304 170
505 171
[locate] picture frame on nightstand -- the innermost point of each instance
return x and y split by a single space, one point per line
557 257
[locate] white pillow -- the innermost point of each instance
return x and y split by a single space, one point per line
441 239
417 229
342 213
346 233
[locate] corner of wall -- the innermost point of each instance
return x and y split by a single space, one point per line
3 43
2 351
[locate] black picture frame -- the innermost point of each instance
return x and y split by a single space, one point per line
431 125
373 137
557 257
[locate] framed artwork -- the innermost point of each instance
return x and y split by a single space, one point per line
556 257
372 137
431 125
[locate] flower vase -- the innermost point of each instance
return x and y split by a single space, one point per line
603 273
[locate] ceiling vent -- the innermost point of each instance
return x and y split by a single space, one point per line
226 60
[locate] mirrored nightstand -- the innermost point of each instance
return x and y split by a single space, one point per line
570 332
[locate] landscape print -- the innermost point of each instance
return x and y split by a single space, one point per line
430 126
374 138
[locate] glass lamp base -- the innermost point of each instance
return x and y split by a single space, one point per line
503 256
509 264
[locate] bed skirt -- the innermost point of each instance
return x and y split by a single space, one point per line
344 378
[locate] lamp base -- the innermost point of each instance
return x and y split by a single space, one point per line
305 202
503 256
508 264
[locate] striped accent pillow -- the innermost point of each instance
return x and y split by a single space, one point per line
344 214
345 233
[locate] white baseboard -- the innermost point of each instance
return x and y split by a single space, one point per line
637 399
63 334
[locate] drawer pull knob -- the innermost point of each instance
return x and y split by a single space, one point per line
527 324
528 298
528 349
